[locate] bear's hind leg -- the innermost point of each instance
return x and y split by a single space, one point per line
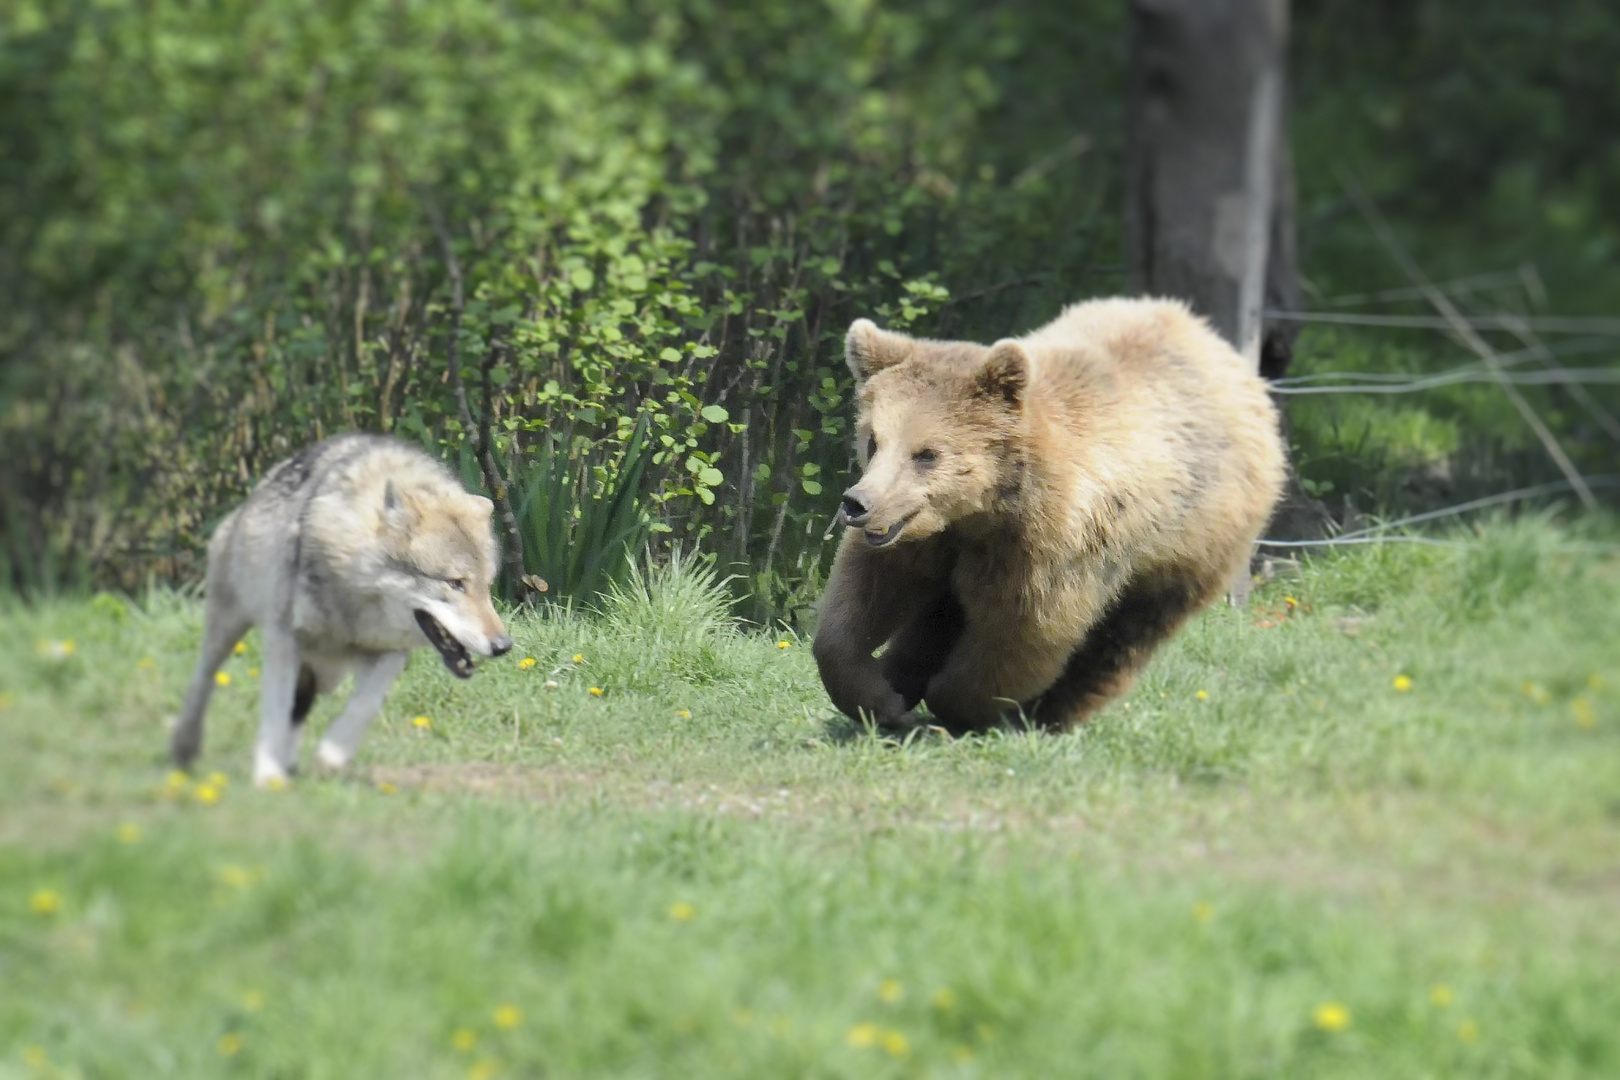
1145 615
918 652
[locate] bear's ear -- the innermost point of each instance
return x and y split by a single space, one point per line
1005 375
868 350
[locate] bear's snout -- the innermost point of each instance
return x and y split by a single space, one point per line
857 508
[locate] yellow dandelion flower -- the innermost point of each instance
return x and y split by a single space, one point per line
526 663
1585 715
944 999
146 663
1331 1016
961 1053
1402 683
45 902
34 1056
207 794
1468 1031
595 691
235 877
5 702
230 1044
464 1039
57 650
484 1070
1289 601
783 644
241 647
682 912
218 779
890 990
684 714
175 783
1203 911
422 723
508 1017
1440 994
253 1000
862 1036
386 788
275 783
895 1044
128 833
1536 693
253 673
222 678
1594 682
1202 695
579 658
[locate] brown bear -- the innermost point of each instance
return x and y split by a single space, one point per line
1036 516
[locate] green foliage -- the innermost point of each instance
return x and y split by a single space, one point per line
230 233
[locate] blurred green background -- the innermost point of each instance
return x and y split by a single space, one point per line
223 234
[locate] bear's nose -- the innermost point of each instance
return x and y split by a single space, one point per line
855 509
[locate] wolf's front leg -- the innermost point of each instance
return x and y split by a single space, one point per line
273 754
372 679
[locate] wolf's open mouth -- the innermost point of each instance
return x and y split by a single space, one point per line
454 653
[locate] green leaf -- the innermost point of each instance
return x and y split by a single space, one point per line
811 487
710 476
714 414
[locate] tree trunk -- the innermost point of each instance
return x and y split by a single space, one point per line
1210 193
1208 214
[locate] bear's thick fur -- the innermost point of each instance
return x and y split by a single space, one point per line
1036 516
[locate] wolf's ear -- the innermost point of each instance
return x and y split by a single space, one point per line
396 515
482 505
868 350
1005 375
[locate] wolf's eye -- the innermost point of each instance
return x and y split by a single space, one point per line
871 446
458 584
925 456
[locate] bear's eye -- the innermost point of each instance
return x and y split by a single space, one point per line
926 456
871 446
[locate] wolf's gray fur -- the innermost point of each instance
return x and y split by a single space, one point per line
346 556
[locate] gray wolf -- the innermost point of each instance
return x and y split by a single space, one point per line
1035 517
346 556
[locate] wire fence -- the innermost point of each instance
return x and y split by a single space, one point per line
1596 335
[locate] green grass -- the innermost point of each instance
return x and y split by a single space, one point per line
697 873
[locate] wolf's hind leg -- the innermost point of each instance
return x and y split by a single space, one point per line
223 627
272 755
303 701
372 680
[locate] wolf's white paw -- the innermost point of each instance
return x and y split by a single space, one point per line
330 755
268 773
